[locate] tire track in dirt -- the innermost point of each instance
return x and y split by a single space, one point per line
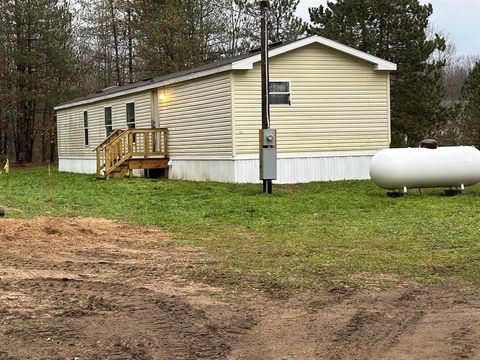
463 344
445 332
17 273
94 289
418 323
134 321
375 329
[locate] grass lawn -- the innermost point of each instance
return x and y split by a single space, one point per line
302 236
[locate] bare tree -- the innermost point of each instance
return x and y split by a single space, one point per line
113 23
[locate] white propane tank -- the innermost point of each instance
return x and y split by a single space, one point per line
450 166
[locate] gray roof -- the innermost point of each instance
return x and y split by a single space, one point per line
160 79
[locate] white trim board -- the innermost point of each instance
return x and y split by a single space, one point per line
279 155
379 63
311 154
246 64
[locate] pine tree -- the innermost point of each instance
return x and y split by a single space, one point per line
470 108
395 31
6 101
37 71
173 35
285 25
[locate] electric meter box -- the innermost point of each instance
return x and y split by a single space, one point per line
268 154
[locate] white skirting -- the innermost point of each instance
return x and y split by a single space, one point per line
77 165
222 170
83 166
292 168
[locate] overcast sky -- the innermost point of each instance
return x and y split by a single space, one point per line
459 19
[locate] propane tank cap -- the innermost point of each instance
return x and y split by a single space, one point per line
429 144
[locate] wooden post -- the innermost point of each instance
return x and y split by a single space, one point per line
145 144
107 161
165 149
130 144
98 162
165 142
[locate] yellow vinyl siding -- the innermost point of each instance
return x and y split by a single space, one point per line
198 116
337 103
70 123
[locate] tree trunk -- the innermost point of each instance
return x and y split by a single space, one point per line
45 132
115 43
25 107
53 142
130 42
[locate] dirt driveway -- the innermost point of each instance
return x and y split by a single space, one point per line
94 289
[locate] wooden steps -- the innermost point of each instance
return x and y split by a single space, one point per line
127 150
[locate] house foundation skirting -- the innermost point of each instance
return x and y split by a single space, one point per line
292 168
80 165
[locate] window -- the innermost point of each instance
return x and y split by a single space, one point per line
131 115
131 118
279 92
85 127
108 120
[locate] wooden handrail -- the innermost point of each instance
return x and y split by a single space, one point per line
127 144
109 138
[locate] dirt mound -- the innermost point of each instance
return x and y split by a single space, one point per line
97 289
93 288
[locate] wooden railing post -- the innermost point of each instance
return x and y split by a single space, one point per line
130 144
165 142
119 150
145 147
107 160
98 161
130 150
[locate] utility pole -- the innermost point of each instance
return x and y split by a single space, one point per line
267 136
264 64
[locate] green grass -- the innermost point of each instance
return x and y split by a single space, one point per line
302 236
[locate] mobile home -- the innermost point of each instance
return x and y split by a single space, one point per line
330 105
